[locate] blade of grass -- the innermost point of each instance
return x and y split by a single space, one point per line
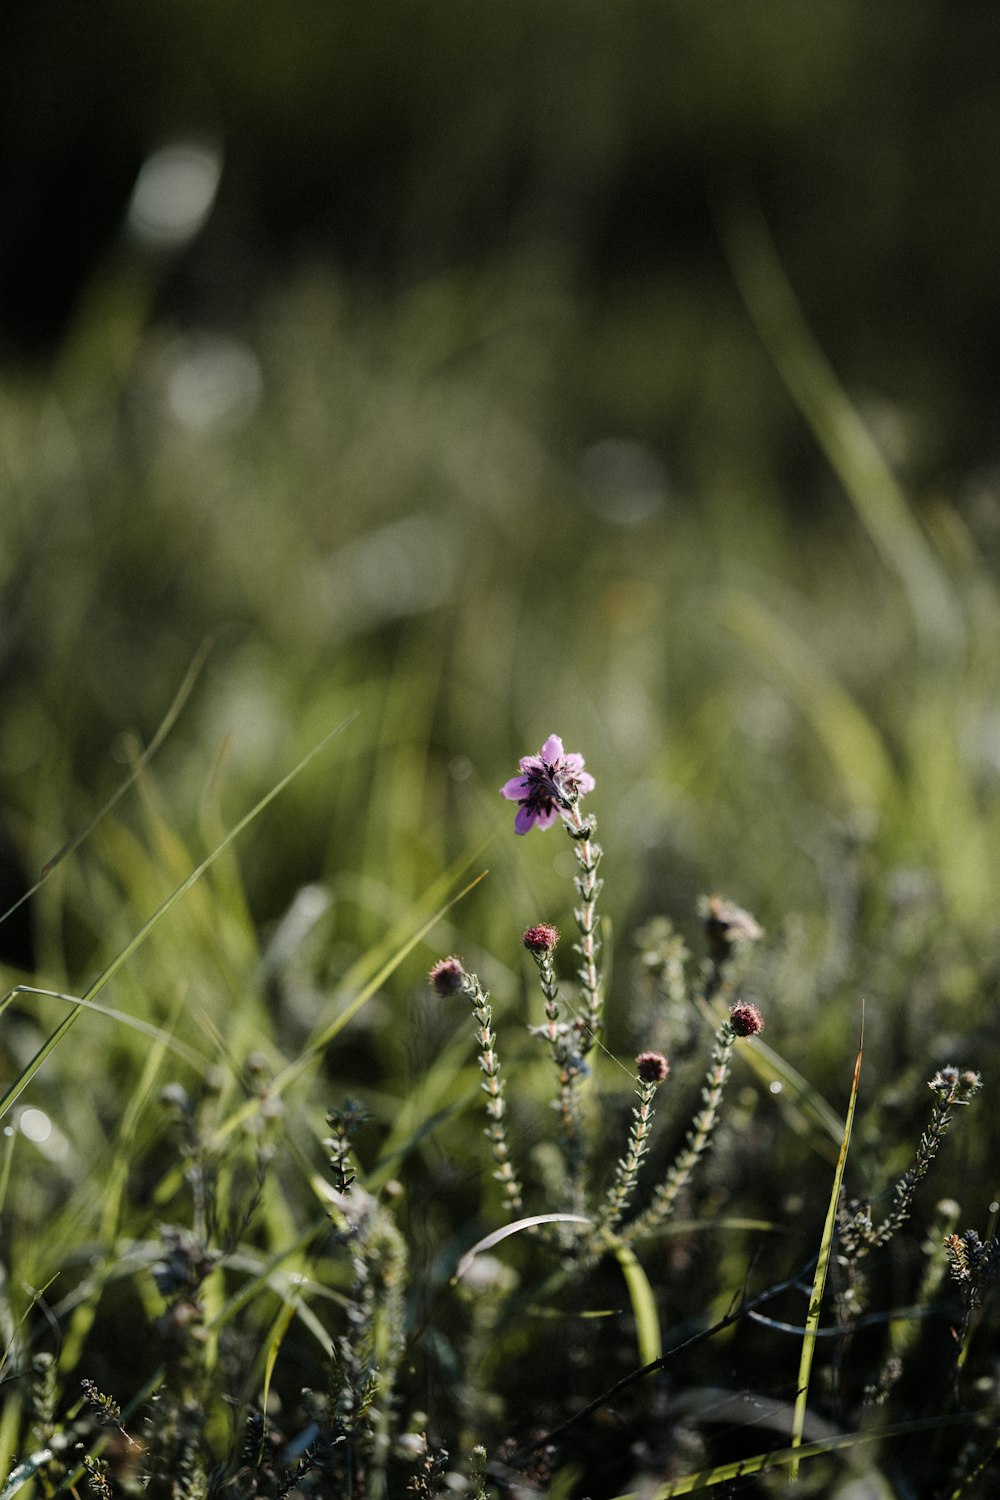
498 1235
166 725
5 1166
823 1265
122 957
272 1276
272 1346
781 1458
321 1040
647 1324
145 1028
850 739
852 452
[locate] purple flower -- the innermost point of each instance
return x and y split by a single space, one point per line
549 783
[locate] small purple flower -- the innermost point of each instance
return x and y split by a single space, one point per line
549 783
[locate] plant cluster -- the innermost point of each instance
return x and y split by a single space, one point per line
303 1351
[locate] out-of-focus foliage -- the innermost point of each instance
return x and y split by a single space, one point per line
622 373
451 412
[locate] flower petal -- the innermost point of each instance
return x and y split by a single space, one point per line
525 819
546 817
516 789
552 750
587 782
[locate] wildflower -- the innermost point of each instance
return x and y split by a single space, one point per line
542 938
448 977
746 1020
550 782
652 1067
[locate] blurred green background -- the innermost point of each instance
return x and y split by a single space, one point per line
623 372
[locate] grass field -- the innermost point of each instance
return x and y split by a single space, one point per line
284 611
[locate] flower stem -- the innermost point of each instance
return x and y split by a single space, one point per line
489 1062
627 1175
696 1143
588 854
566 1061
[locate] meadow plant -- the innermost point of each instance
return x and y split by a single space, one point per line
549 789
307 1345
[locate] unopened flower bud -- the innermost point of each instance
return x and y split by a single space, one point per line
746 1020
448 976
541 939
652 1067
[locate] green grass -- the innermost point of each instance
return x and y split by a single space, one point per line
407 584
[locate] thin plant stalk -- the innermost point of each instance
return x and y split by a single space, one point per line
695 1145
588 854
493 1088
623 1188
822 1267
566 1061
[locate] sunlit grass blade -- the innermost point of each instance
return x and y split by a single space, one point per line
320 1042
823 1264
274 1276
138 766
848 736
784 1458
517 1227
166 1039
647 1324
25 1471
273 1343
5 1165
123 956
854 455
322 1039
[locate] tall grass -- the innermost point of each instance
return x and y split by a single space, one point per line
246 1193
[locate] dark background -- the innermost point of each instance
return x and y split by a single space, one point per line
401 140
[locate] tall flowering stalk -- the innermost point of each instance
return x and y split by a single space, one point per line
549 786
540 942
744 1021
652 1069
449 977
952 1089
858 1235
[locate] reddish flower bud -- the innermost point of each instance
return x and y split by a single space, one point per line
541 939
746 1020
448 976
652 1067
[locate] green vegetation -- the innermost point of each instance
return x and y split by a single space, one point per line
253 1237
